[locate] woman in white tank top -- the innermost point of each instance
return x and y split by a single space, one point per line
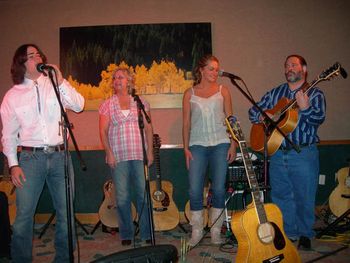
206 143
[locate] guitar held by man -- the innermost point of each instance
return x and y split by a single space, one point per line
258 228
285 115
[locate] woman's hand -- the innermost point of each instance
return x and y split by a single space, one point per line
110 160
231 153
188 157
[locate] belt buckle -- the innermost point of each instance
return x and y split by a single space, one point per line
49 149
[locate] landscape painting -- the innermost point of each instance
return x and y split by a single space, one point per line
161 57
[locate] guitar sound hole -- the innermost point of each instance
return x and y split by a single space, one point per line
166 200
278 241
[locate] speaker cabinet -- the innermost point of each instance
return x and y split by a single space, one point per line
150 254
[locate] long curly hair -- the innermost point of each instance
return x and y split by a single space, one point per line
204 61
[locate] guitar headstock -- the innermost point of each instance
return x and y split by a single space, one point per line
156 141
234 128
332 72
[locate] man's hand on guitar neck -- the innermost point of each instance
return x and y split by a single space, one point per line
302 100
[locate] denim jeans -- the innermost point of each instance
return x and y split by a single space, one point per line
38 168
215 157
293 180
129 176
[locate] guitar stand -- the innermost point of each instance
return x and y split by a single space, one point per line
47 224
105 229
331 227
182 227
336 222
95 227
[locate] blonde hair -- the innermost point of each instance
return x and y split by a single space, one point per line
130 76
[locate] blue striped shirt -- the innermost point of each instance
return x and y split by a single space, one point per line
308 120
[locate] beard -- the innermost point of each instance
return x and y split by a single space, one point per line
294 76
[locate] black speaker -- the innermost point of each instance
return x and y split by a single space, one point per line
150 254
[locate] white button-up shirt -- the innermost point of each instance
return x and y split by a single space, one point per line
31 114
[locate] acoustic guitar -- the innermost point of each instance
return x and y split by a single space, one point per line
8 188
337 203
258 228
165 212
285 115
108 209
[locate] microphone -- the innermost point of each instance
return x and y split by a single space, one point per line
229 75
41 67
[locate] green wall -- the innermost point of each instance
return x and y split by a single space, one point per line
89 183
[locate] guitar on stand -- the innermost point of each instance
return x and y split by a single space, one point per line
8 188
339 201
165 213
108 209
259 227
285 115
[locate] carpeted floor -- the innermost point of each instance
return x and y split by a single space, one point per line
99 244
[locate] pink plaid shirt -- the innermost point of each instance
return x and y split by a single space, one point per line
124 133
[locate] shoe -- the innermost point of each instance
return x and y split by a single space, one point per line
304 243
126 242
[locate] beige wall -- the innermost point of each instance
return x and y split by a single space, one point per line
251 39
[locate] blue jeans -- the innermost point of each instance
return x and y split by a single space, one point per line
293 180
215 157
40 167
129 176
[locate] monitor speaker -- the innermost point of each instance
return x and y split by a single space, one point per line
149 254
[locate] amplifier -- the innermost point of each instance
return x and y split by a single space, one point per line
237 177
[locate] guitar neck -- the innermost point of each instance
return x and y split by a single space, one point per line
305 89
253 182
157 167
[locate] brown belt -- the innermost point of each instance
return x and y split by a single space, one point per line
45 149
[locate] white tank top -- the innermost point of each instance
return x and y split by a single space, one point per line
208 120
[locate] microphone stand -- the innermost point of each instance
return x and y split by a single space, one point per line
140 110
69 200
268 123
